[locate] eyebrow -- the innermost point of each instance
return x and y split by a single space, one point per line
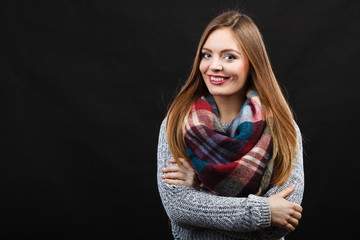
222 51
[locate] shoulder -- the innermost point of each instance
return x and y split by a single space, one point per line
297 128
162 141
163 125
162 131
299 136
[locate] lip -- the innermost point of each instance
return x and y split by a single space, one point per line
218 82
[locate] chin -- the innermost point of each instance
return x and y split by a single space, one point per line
219 92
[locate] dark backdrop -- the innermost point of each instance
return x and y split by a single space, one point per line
86 84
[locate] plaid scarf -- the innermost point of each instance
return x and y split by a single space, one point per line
234 163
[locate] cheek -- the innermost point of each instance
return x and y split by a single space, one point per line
241 69
203 66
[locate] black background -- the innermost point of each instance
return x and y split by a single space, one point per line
86 84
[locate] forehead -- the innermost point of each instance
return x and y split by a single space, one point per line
222 38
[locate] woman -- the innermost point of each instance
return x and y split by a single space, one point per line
231 123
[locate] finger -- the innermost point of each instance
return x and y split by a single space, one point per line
174 175
175 182
172 160
297 215
294 222
287 191
172 168
298 208
290 227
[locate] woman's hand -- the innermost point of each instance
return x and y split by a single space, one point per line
284 214
182 174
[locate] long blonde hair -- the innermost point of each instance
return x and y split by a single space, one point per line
261 79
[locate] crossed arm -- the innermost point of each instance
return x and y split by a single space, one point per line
254 216
284 214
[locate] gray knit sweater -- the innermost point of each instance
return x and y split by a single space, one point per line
203 215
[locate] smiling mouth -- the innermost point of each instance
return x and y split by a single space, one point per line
217 80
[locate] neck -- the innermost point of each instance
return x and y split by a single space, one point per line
229 106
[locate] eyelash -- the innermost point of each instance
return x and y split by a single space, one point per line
231 56
208 55
204 55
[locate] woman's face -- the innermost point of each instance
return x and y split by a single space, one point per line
224 65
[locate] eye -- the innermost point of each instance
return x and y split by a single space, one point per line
206 55
229 57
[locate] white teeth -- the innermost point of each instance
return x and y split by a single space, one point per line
217 79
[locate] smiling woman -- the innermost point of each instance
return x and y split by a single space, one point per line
229 153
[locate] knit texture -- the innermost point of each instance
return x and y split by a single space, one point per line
203 215
229 164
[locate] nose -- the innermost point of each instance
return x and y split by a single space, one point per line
216 65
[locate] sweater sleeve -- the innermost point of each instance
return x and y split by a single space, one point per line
248 218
